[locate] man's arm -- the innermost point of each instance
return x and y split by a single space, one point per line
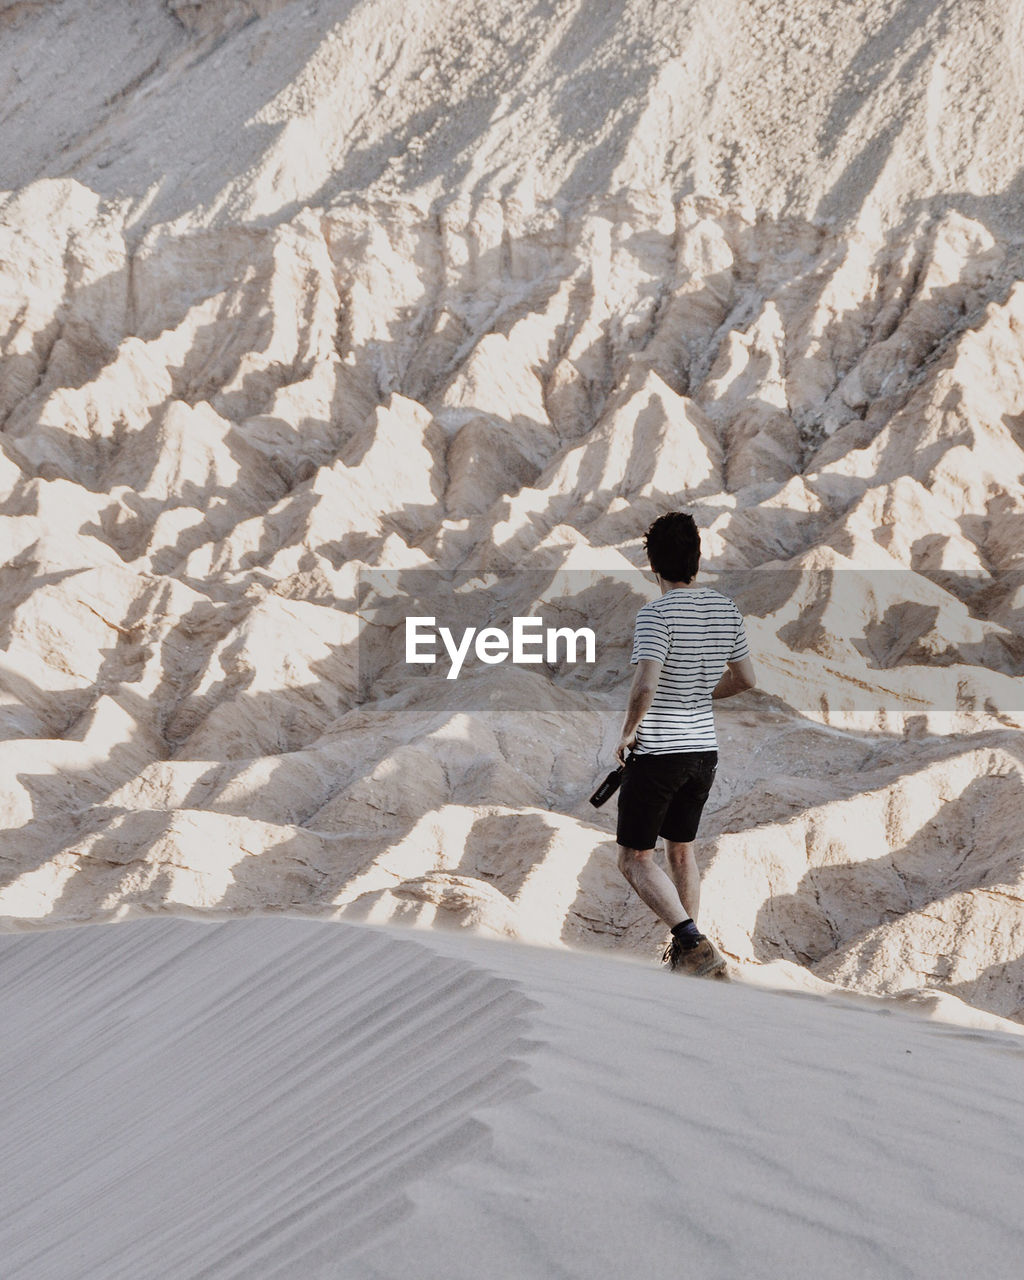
738 677
641 695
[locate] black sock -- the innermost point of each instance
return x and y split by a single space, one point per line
686 934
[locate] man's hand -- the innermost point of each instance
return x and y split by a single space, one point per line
625 744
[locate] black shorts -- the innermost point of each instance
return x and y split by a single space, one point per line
663 794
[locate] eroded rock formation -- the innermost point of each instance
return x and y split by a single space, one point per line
238 420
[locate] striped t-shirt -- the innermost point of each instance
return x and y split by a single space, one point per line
693 632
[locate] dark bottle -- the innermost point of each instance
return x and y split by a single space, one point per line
610 785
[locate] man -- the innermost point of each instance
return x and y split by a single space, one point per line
690 648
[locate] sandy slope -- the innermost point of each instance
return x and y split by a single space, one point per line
241 109
280 1097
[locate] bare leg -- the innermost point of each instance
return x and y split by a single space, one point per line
682 861
652 884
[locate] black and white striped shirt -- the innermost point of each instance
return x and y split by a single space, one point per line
693 632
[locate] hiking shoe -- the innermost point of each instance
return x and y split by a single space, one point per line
672 956
701 961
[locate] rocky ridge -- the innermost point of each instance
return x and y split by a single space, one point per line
235 439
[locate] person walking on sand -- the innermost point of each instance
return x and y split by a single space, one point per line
690 648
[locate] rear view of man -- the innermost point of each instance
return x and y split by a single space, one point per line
690 648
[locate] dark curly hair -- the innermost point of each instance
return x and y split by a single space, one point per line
673 546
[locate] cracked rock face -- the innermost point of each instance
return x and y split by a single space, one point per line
249 424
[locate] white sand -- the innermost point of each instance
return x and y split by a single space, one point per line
284 1098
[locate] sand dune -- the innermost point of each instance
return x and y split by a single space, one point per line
282 1097
244 1100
